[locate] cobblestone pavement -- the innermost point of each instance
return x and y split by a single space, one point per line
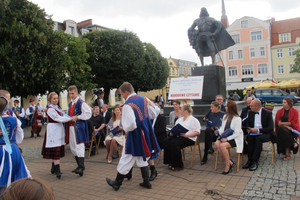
278 181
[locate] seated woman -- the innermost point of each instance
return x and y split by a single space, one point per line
174 115
233 121
286 116
112 140
215 115
12 166
173 144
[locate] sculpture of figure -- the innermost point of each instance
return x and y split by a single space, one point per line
210 37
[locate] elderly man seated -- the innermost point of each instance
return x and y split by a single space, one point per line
260 129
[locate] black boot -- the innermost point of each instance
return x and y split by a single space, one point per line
76 158
57 171
145 175
32 135
52 168
38 135
80 167
116 183
153 173
129 175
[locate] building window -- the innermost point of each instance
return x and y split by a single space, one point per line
262 51
280 69
236 38
256 35
71 30
240 54
252 52
247 69
232 71
244 24
291 67
279 53
230 55
291 51
262 68
285 37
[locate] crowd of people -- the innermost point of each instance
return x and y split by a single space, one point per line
138 127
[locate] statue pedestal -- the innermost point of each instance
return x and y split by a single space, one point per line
214 82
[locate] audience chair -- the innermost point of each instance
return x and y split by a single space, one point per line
91 144
272 150
193 149
158 159
238 159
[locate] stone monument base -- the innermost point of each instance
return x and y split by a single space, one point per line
214 82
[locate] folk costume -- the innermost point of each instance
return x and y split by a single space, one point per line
21 112
54 140
140 143
77 133
12 165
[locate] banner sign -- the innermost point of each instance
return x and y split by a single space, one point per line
186 88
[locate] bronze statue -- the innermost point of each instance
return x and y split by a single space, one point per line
210 37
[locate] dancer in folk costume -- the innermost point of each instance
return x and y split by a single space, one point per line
140 141
54 140
12 165
77 133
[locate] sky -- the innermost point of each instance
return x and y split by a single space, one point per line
164 23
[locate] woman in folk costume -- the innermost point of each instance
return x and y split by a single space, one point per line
12 165
54 140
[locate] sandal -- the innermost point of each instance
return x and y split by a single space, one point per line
286 158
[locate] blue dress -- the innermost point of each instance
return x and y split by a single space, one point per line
12 166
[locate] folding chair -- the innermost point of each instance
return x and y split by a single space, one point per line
238 157
193 149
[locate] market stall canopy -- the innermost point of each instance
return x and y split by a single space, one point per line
266 84
293 83
255 85
281 85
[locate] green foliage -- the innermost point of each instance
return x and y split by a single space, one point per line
34 59
296 66
118 56
156 70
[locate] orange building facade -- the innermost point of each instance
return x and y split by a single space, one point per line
249 60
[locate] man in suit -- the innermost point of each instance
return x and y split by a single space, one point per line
244 116
105 113
260 120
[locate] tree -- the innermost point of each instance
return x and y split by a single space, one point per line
156 70
296 66
115 56
35 59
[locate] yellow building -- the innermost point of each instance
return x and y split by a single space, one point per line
285 40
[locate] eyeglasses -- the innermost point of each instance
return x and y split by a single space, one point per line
220 99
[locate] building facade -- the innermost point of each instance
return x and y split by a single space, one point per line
249 60
285 40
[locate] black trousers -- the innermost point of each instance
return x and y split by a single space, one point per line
255 146
210 137
172 150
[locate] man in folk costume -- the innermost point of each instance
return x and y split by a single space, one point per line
77 130
19 112
140 142
30 113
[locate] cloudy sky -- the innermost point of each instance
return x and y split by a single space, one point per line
164 23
